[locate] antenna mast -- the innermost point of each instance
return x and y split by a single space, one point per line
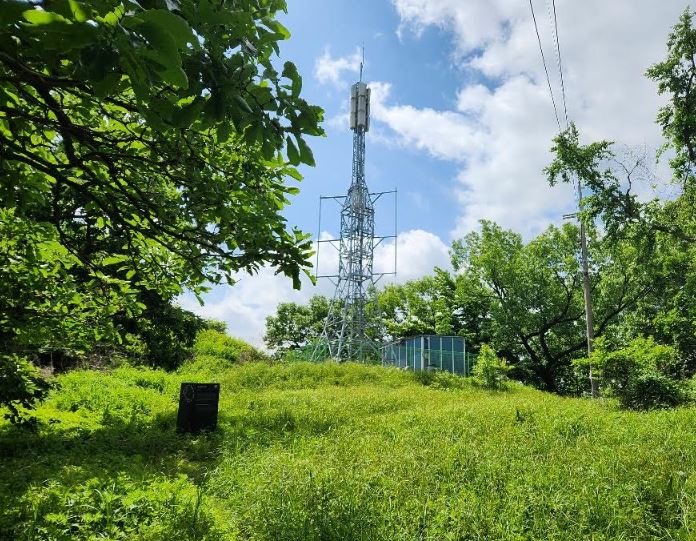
347 333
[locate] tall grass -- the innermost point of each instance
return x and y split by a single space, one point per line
326 451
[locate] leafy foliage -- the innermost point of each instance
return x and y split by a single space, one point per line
141 153
665 230
121 508
42 302
675 77
438 304
535 300
490 371
167 331
149 138
111 465
294 326
213 343
642 375
21 388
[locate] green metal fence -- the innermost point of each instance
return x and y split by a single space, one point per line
430 352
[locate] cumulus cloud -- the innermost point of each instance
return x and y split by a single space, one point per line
500 129
245 306
418 252
328 69
501 147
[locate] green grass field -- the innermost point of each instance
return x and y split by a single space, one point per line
308 451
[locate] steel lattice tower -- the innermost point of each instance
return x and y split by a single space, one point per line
347 334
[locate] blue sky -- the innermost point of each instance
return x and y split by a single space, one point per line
461 121
339 29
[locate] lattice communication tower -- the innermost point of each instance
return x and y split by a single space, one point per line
348 334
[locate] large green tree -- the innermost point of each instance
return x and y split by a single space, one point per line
145 147
148 134
536 317
664 228
441 303
295 326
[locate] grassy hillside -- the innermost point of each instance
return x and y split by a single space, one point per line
342 452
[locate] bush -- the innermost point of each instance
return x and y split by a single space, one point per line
217 344
215 325
642 375
21 387
439 379
490 371
168 332
117 508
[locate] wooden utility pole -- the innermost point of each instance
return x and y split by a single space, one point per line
588 293
587 289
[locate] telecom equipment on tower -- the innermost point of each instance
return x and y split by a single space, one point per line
348 333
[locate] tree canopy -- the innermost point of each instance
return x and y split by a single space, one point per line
146 147
149 135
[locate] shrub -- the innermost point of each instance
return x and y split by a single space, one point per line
490 370
641 375
21 387
215 325
217 344
168 332
117 508
439 379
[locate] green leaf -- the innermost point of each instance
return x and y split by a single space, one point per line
293 154
254 133
215 107
268 149
278 28
162 41
243 104
306 154
223 131
38 17
78 11
172 73
104 87
114 259
171 23
114 17
184 117
294 173
290 71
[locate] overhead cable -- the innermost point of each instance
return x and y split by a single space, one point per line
560 63
543 59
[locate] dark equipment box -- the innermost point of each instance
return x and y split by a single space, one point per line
198 407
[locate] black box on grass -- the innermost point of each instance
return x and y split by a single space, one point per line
198 407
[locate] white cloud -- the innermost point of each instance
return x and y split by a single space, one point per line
475 23
501 133
418 252
501 147
328 69
245 306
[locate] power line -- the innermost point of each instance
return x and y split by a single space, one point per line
543 59
587 290
560 63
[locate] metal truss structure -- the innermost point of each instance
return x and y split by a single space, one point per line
348 334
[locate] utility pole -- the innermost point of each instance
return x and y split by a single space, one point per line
589 326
